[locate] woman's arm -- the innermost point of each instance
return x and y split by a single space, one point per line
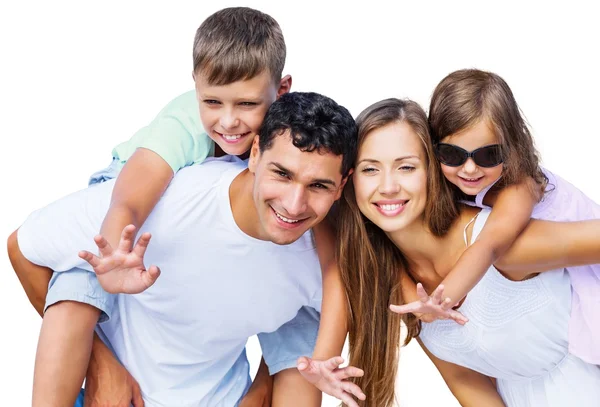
333 324
470 388
546 245
323 369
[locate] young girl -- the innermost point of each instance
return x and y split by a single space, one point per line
487 152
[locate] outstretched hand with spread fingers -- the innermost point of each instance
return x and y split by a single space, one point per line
429 308
122 270
327 376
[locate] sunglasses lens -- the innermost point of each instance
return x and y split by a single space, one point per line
489 156
450 155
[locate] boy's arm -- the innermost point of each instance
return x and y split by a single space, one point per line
510 214
469 387
138 188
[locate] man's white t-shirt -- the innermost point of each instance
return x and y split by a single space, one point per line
183 339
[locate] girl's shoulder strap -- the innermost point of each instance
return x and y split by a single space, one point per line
466 227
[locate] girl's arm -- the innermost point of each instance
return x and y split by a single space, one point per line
138 188
323 369
546 245
469 387
510 214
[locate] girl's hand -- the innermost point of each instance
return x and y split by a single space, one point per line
429 308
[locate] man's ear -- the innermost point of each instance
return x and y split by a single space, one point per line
285 85
343 184
254 155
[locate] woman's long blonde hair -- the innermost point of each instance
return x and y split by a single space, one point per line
370 264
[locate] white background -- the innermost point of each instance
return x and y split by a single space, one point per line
76 78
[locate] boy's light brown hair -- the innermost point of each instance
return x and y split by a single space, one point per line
238 43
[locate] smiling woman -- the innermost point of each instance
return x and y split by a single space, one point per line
394 232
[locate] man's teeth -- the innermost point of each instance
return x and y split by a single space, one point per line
286 220
232 137
390 207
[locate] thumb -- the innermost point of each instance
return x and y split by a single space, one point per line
303 363
151 275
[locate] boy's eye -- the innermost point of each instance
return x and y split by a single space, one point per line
211 102
248 103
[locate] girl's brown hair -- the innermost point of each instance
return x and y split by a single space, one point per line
464 98
370 263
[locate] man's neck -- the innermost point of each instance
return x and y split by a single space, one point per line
242 204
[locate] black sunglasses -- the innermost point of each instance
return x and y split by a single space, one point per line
454 156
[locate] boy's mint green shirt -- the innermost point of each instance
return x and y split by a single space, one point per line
176 135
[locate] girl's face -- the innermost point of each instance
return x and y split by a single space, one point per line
469 177
390 178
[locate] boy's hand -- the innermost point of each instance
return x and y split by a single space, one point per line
122 270
429 308
327 376
108 383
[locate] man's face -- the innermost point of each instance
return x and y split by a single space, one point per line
293 190
232 114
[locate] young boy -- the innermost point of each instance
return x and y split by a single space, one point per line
239 55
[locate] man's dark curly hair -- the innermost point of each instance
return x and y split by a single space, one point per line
315 122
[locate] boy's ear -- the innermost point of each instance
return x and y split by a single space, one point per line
254 154
285 85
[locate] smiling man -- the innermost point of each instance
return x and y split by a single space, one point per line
237 256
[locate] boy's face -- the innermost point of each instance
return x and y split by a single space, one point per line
293 189
232 114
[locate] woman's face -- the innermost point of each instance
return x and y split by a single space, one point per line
390 178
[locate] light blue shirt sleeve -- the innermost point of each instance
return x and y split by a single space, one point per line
293 339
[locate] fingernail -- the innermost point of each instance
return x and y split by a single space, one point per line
302 366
